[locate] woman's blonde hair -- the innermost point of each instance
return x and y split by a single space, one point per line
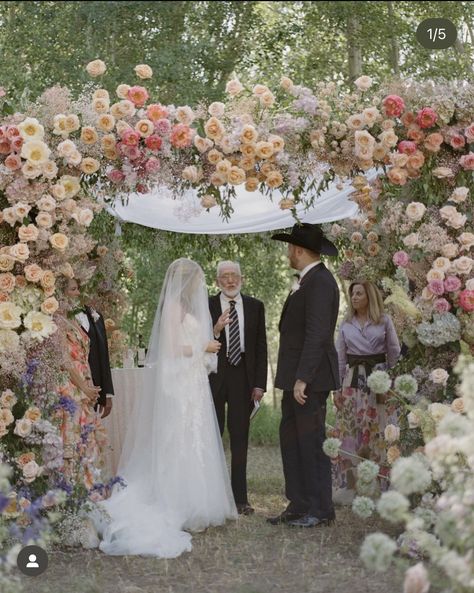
375 309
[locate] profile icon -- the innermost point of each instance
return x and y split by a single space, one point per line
32 561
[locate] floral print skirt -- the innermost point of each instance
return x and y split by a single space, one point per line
360 425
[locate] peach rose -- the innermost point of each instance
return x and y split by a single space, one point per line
463 265
397 176
59 241
416 160
143 71
415 211
234 87
89 135
33 273
286 204
286 83
7 282
223 167
267 99
249 150
252 184
218 179
44 220
277 142
393 453
191 174
202 144
216 109
105 123
264 150
6 417
214 156
96 68
48 280
100 105
58 191
89 166
208 201
72 123
25 458
185 115
49 306
457 405
236 176
249 134
247 163
214 128
274 179
433 142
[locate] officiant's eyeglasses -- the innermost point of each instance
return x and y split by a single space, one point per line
227 277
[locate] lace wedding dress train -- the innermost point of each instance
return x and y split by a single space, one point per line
173 461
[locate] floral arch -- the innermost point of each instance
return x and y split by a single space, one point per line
63 159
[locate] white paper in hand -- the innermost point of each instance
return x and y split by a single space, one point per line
256 407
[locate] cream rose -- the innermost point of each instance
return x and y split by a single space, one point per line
96 68
185 115
31 471
36 152
72 123
89 166
443 172
438 411
191 174
8 399
100 105
439 376
28 233
218 179
46 203
48 279
236 176
252 184
466 240
249 150
23 427
286 204
20 252
459 195
143 71
457 405
449 250
363 83
223 167
277 142
59 241
44 220
33 273
415 211
274 179
216 109
264 150
9 341
70 184
7 282
435 275
84 216
105 123
31 129
234 87
208 201
355 122
248 135
122 91
67 270
49 306
214 128
463 265
442 263
33 414
388 138
58 191
7 263
214 156
31 171
6 417
89 135
202 144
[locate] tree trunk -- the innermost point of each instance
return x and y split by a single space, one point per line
353 48
394 47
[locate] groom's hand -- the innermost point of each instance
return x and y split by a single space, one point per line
298 392
223 320
257 394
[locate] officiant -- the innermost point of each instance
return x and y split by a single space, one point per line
241 378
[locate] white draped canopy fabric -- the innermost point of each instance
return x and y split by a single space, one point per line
253 211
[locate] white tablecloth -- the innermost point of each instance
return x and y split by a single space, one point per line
127 386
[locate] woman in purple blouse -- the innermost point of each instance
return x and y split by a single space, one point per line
367 341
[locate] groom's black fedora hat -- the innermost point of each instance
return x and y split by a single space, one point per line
309 236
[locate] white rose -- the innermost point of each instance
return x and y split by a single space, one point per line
9 315
84 217
391 433
466 240
363 83
415 211
463 265
31 471
143 71
470 284
438 411
234 87
216 109
443 172
459 195
40 325
31 129
411 240
439 376
36 152
450 250
23 427
9 341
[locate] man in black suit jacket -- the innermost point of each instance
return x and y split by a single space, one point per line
93 323
307 371
241 378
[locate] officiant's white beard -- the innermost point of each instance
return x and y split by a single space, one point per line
231 293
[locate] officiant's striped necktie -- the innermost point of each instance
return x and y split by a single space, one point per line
234 354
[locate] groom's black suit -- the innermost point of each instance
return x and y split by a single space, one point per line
99 356
234 384
307 353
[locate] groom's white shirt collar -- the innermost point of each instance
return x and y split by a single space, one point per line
308 268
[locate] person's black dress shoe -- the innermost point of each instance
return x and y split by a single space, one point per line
244 509
310 521
284 517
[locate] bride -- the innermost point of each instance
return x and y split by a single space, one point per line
172 460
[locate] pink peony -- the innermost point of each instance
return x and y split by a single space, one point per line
131 152
436 287
469 133
156 112
152 165
130 137
457 141
163 127
401 258
154 142
138 95
116 176
452 283
467 162
12 132
406 147
442 305
466 300
181 136
426 117
394 106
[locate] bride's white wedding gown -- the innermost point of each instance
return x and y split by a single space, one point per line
174 464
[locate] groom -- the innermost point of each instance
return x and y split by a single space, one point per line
307 370
241 378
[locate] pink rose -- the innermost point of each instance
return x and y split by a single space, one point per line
154 142
394 106
17 143
142 188
163 127
457 141
138 95
181 136
13 162
401 258
116 176
436 287
406 147
152 165
442 305
5 146
467 162
156 112
469 133
12 132
433 142
466 300
452 284
426 117
130 137
131 152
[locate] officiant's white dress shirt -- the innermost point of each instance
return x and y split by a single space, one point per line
239 306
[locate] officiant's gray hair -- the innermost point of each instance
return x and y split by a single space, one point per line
227 264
